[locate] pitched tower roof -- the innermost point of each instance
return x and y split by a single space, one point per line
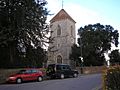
62 14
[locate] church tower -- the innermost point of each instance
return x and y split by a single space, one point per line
63 32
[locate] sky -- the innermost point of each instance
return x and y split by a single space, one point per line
84 12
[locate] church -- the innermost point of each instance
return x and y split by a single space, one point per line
62 27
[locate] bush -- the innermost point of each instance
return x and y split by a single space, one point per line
112 78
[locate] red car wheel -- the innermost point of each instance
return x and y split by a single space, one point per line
18 80
40 79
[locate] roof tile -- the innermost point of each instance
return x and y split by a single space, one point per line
62 14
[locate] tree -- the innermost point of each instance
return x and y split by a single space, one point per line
115 57
22 24
75 53
35 57
95 40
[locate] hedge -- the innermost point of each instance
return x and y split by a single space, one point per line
111 78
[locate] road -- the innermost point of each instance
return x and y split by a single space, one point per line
84 82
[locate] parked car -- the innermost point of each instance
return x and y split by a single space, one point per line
61 71
26 75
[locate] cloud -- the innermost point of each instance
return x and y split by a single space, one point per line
54 7
81 15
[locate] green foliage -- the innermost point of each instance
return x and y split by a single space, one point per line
22 24
75 53
35 57
112 79
95 40
114 57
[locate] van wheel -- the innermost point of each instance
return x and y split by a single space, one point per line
18 80
39 79
62 76
75 75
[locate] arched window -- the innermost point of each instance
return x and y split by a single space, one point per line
71 28
58 30
59 59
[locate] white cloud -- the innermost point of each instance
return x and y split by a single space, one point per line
54 7
81 15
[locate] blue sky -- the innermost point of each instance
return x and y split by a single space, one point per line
84 12
109 9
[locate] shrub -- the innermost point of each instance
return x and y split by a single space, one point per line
112 78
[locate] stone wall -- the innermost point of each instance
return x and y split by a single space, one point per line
4 73
91 70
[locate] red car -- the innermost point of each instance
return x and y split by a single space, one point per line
26 75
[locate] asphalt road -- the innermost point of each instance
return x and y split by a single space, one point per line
84 82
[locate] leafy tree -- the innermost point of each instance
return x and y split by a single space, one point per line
22 24
115 57
95 40
75 53
35 57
